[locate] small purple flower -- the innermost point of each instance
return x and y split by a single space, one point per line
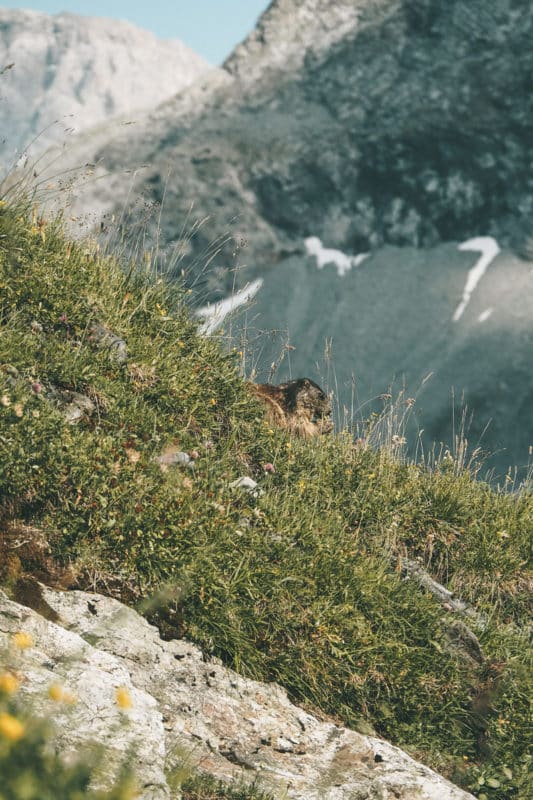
36 387
269 467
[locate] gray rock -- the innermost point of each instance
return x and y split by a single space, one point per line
171 458
248 484
76 406
363 123
462 641
185 707
61 657
12 375
105 338
415 571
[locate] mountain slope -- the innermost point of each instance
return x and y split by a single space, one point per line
391 322
307 581
384 121
365 124
73 72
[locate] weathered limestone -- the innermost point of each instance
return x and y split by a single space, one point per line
184 707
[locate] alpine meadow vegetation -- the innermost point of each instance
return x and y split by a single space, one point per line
302 583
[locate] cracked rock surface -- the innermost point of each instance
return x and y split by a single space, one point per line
186 707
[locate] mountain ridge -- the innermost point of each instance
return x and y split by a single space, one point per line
408 128
72 71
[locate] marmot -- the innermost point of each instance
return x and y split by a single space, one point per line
300 406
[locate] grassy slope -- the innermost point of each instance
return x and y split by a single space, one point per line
298 586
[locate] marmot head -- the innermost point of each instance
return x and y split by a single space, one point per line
305 395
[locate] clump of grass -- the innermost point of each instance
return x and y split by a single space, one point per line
205 788
301 584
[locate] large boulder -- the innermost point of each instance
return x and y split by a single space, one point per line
185 707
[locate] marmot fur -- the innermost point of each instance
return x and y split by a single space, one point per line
299 406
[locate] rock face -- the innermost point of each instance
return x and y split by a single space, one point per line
362 123
72 72
184 708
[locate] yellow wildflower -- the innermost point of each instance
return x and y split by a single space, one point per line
60 695
213 401
22 640
55 692
123 698
9 683
11 728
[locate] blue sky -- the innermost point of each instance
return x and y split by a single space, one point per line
211 27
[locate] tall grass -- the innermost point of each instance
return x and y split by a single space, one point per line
301 584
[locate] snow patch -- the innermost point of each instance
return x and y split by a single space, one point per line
485 314
215 314
325 255
489 249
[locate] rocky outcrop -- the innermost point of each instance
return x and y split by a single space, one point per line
186 708
289 32
70 72
362 123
